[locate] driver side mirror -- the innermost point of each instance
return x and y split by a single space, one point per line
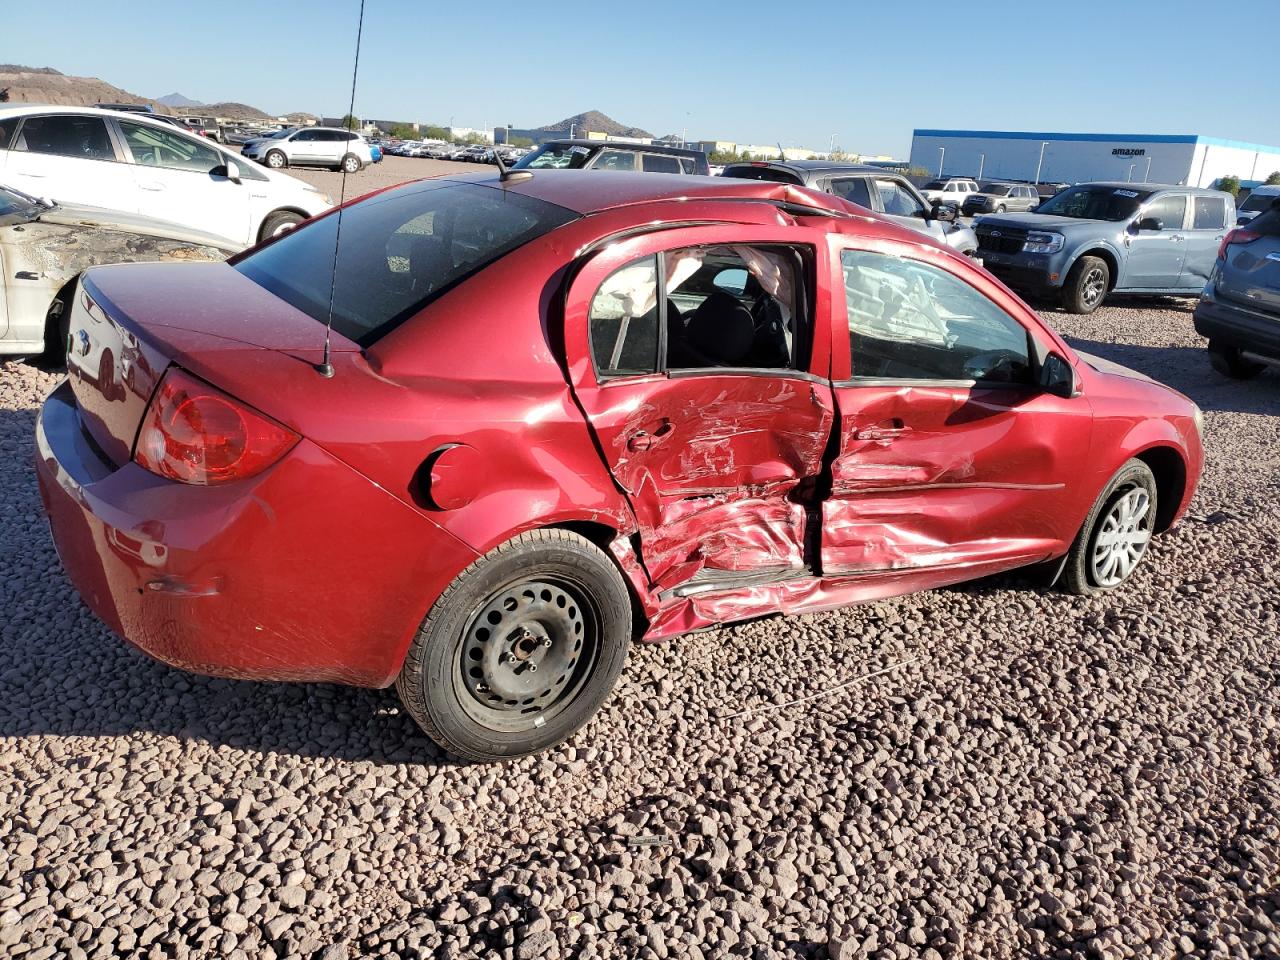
1057 377
1151 223
945 211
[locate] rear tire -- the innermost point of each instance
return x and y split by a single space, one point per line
276 160
1086 285
1228 362
471 679
279 222
1115 534
351 164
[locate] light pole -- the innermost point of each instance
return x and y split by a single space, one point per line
1146 177
982 161
1043 144
942 155
1129 179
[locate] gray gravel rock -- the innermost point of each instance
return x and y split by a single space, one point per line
1053 777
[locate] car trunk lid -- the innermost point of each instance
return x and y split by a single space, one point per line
129 322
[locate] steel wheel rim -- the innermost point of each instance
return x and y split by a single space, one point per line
1122 538
526 653
1094 285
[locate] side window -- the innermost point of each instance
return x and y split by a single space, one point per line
657 163
687 165
615 160
912 321
7 129
1169 210
1211 213
897 201
304 136
853 189
623 323
733 306
84 138
154 147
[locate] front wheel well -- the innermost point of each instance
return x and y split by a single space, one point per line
1107 257
1170 471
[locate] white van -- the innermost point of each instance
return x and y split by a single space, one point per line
129 162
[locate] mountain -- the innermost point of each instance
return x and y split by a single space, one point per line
594 121
177 100
238 111
20 84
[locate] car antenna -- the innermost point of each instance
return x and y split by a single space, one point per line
325 366
782 154
505 173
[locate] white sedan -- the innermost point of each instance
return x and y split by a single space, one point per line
128 162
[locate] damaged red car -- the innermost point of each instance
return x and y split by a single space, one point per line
562 411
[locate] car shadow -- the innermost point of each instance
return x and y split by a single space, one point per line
64 673
1187 370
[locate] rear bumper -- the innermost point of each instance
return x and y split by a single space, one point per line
305 572
1255 331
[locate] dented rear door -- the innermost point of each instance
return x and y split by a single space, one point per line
720 466
937 468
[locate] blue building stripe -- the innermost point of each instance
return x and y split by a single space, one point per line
1100 138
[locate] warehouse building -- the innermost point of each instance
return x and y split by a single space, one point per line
1075 157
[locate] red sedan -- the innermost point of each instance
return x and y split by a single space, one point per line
568 410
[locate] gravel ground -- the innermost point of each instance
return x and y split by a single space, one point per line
388 173
1045 776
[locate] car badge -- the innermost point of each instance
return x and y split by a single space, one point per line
83 337
996 233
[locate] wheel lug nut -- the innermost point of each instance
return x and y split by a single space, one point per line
533 668
546 642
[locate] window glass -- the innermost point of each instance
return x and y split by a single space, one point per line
7 128
710 324
1211 213
1169 210
687 165
615 160
1256 202
623 321
556 156
853 189
912 321
67 136
657 163
400 250
897 201
305 136
154 147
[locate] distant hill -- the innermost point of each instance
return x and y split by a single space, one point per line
177 100
596 122
20 84
240 111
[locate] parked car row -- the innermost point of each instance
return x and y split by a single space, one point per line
466 153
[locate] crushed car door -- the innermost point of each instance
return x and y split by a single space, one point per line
949 455
695 358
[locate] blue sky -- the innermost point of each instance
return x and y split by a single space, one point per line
868 73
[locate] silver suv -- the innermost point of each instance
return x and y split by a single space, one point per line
311 146
998 197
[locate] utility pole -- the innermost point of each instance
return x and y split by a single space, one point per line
1129 179
1146 177
942 156
1043 144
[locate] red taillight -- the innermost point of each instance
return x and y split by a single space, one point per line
195 433
1239 235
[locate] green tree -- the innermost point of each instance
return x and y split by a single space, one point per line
350 122
1229 184
919 172
402 131
432 132
1274 179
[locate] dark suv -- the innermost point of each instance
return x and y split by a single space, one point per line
614 155
880 190
1239 310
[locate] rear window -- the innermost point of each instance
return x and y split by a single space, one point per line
746 172
399 251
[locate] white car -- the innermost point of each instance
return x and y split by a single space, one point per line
128 162
312 146
954 190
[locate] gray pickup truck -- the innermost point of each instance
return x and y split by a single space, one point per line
1100 238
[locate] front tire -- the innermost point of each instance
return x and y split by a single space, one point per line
1228 362
1000 209
281 221
276 160
1086 285
57 330
1115 535
520 650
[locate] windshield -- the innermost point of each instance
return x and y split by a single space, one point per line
18 206
1259 201
556 156
1095 203
400 250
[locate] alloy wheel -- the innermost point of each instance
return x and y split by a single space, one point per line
526 653
1095 285
1122 538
